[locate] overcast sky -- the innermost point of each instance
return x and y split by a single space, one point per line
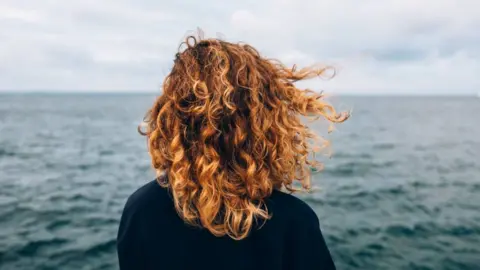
378 46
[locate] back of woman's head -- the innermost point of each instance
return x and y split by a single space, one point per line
227 131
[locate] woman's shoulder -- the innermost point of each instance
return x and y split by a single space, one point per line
296 209
149 195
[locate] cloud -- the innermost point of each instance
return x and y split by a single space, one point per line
378 46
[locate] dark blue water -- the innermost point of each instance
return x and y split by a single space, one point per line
401 191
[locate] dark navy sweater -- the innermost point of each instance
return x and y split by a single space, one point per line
153 236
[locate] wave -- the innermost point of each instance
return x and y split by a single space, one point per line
429 229
384 146
33 247
358 168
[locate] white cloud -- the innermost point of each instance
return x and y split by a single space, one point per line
7 13
382 46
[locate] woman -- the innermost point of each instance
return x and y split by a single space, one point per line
226 138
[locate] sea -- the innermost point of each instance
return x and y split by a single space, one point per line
400 190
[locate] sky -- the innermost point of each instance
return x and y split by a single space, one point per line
376 46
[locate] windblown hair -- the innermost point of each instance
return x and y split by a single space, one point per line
227 130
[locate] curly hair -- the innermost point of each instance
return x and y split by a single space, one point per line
227 130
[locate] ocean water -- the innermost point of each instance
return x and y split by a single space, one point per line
401 190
